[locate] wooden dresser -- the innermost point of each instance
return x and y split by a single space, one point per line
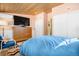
22 33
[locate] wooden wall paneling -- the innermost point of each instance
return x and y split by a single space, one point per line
27 8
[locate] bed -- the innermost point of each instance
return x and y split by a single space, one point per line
50 46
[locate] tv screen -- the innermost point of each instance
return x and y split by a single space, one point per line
23 21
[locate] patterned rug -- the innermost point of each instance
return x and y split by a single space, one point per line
10 51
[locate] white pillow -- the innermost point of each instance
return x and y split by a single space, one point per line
74 40
67 41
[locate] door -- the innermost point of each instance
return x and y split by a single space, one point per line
39 25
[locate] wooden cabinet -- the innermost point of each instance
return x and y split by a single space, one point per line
22 33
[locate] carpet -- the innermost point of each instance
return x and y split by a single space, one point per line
10 51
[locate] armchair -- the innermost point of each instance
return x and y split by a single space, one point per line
7 44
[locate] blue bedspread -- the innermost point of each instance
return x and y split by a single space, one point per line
46 46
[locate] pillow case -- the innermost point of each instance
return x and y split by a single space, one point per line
67 41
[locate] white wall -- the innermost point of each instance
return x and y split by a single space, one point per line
5 15
3 22
8 33
59 25
66 24
6 20
66 20
73 23
39 24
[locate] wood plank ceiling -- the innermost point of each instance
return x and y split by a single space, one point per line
27 8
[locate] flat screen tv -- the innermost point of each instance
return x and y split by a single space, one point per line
23 21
